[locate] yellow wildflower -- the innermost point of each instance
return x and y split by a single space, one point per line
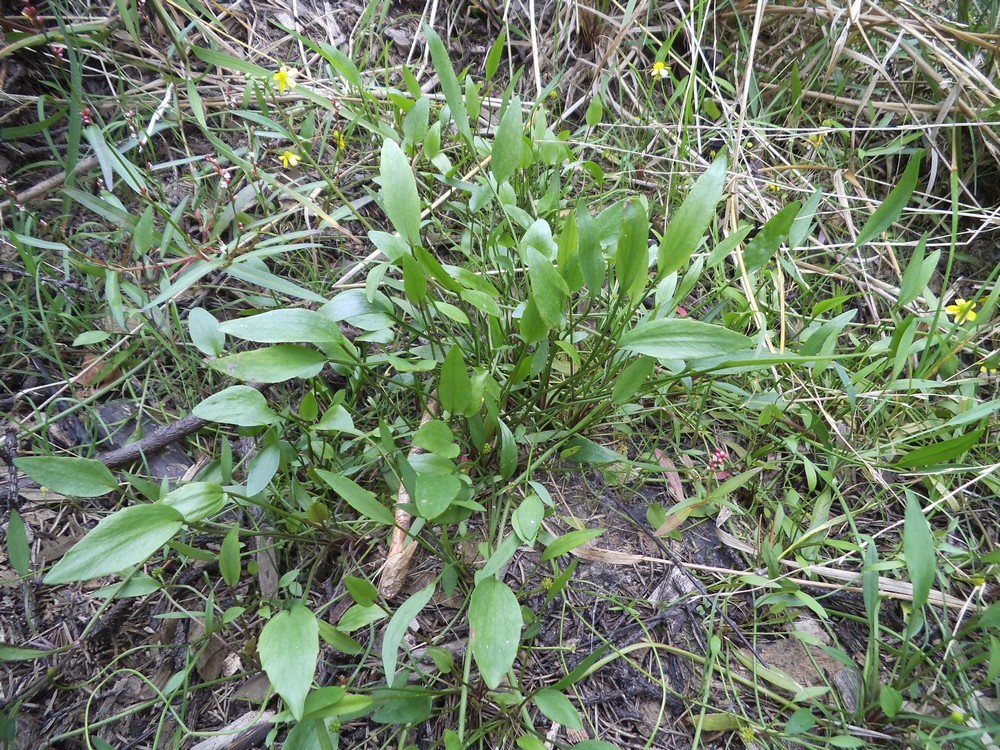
660 70
285 77
290 159
962 310
988 370
816 139
338 138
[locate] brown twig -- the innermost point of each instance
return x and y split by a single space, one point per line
49 184
153 442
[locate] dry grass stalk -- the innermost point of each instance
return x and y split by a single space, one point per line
397 561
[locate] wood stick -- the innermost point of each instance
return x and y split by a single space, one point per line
397 561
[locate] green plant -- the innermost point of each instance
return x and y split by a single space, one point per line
516 321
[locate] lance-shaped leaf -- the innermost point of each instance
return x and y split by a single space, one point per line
399 192
682 339
124 538
288 648
688 223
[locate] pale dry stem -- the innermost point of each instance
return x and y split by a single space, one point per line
397 561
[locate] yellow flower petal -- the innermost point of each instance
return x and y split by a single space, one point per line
290 159
285 77
962 310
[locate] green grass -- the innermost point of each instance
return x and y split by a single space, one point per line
534 324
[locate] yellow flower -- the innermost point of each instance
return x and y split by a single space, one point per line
816 139
338 138
962 310
660 70
285 77
290 159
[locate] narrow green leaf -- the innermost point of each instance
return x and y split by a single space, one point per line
944 451
689 222
527 519
890 701
361 590
901 345
532 328
126 537
592 262
229 557
436 271
495 621
144 233
454 387
918 547
18 549
508 452
335 419
567 258
493 57
288 326
416 122
869 584
195 102
682 339
228 62
914 279
595 112
414 279
104 156
338 640
196 501
770 237
16 653
255 271
76 477
398 626
288 647
473 102
802 226
273 364
88 338
341 62
507 143
632 255
569 542
500 557
399 192
449 82
557 708
20 132
358 617
628 383
265 464
113 297
800 722
363 501
240 405
892 207
548 289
